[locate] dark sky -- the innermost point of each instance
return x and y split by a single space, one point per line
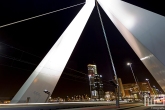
23 45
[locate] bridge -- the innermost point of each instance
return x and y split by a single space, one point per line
138 32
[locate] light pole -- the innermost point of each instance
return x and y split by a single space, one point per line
47 92
129 64
150 86
90 84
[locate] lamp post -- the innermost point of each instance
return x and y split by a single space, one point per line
129 64
47 92
150 86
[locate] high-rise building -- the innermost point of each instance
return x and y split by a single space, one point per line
95 82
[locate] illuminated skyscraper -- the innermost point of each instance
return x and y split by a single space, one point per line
95 82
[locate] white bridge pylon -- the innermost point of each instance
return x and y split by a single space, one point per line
145 33
48 72
142 29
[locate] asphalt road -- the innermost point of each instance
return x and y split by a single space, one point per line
129 106
55 106
135 106
79 106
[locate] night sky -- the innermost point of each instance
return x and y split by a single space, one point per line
23 45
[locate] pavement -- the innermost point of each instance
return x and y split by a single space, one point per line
131 106
79 106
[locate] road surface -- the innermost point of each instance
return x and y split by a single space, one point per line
76 106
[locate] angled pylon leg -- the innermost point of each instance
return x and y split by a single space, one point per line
144 31
48 72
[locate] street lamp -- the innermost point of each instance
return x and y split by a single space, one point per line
150 86
47 92
129 64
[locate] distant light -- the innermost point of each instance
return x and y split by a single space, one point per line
147 79
100 75
129 63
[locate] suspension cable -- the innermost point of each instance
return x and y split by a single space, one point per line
12 47
39 15
75 70
106 42
118 88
